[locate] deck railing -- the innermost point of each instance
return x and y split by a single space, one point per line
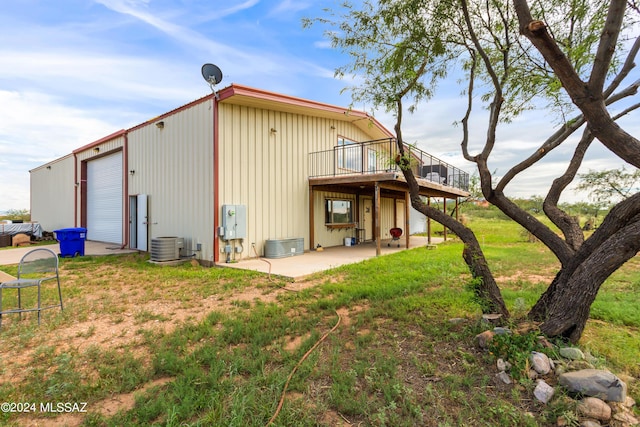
379 156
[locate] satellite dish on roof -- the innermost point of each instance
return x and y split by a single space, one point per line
212 74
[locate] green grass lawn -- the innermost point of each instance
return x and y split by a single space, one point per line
187 345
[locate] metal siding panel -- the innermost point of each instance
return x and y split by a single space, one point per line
174 166
386 217
268 172
105 147
52 194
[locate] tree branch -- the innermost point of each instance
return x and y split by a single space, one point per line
465 119
569 227
552 142
629 64
588 100
607 46
497 97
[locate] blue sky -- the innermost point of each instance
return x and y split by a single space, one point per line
73 71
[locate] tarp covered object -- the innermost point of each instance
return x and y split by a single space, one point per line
32 228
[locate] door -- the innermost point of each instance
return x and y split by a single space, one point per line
138 224
104 199
142 223
367 218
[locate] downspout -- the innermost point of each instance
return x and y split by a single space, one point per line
76 184
125 180
216 181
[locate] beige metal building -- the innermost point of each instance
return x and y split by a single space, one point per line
239 173
52 193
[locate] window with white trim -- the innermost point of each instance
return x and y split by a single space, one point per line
349 155
338 211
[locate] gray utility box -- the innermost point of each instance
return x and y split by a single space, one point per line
234 222
280 248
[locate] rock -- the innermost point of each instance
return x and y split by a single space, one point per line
492 318
623 406
543 392
502 365
483 339
626 418
540 363
501 331
626 378
572 353
457 320
629 402
595 383
504 377
590 423
560 369
543 341
590 358
578 365
592 407
532 374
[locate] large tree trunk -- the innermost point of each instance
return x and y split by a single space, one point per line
564 307
486 288
621 216
569 309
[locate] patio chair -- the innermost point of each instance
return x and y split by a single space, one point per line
36 266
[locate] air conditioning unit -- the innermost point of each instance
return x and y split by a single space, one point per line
166 248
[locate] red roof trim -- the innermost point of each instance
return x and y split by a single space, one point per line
170 113
240 90
100 141
236 89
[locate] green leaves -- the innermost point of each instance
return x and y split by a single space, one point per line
609 186
395 48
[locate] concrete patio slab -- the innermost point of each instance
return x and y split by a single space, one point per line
300 266
293 267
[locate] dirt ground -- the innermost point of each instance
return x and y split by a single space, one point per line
105 333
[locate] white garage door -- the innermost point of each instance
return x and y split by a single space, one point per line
104 199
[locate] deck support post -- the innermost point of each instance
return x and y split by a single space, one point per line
376 216
444 210
428 222
312 242
407 219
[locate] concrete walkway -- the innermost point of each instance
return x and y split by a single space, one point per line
297 267
293 267
13 255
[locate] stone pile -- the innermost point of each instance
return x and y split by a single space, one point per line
602 398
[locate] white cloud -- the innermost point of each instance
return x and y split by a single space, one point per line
73 72
52 128
287 7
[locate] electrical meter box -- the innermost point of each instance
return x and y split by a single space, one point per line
234 222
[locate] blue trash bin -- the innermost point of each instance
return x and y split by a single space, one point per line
71 241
